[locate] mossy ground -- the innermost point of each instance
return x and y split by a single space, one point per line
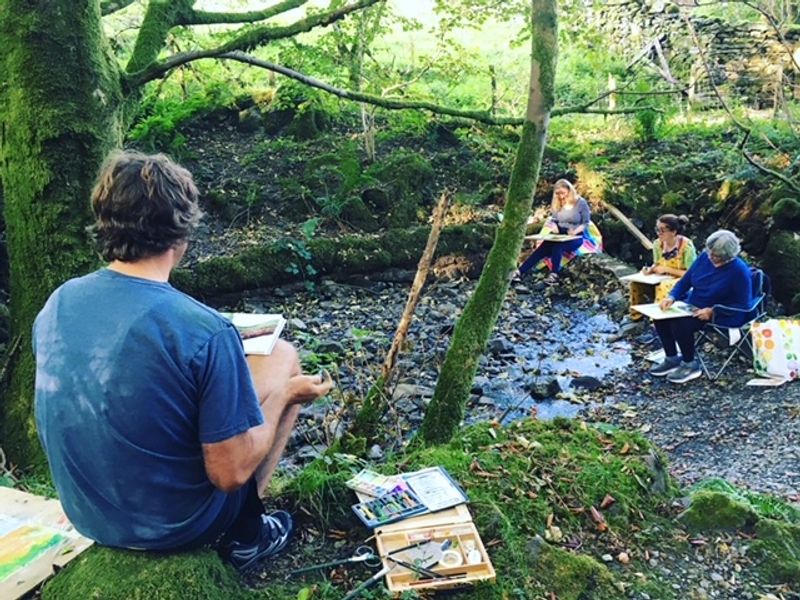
523 481
775 525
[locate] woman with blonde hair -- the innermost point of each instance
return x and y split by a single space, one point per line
570 214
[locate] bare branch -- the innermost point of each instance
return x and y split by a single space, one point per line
108 7
390 103
767 171
246 41
201 17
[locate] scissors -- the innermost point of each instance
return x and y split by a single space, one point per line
428 552
363 554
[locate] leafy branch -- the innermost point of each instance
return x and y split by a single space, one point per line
247 40
481 116
202 17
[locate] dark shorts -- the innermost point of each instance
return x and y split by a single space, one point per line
241 510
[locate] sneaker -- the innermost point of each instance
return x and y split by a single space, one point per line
685 372
276 529
667 366
516 277
551 279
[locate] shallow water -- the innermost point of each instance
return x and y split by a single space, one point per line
586 346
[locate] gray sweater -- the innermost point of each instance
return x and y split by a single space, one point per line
568 218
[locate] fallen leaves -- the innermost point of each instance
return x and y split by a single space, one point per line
476 468
607 501
599 519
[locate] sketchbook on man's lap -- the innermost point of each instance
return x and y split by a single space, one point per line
260 332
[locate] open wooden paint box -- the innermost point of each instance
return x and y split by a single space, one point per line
465 560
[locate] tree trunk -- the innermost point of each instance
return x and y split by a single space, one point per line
446 410
59 105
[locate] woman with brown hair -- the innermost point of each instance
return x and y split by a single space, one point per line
673 254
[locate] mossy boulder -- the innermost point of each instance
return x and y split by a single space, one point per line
777 545
404 180
780 260
308 122
519 478
786 214
291 260
571 576
275 120
717 511
356 213
127 575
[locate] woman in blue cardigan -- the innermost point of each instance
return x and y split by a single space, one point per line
718 276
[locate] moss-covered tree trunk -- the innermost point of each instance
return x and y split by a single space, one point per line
59 103
446 410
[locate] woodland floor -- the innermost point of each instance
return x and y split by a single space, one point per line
571 335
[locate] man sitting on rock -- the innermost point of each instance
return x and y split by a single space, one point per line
160 433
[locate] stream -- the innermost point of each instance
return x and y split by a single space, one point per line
548 351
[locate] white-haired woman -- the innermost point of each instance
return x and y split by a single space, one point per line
570 214
717 277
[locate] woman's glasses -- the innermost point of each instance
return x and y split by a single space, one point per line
660 230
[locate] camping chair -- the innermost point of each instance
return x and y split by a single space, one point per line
737 339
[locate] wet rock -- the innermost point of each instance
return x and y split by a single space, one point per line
587 382
333 429
307 452
298 324
479 384
500 346
542 389
330 347
410 390
616 301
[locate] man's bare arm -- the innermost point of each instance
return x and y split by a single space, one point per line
232 462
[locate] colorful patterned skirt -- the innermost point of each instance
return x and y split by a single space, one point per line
592 243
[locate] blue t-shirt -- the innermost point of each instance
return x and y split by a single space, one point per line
705 285
132 376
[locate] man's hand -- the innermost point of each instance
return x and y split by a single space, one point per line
666 303
704 314
305 388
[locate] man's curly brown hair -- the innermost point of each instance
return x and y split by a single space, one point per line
143 206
